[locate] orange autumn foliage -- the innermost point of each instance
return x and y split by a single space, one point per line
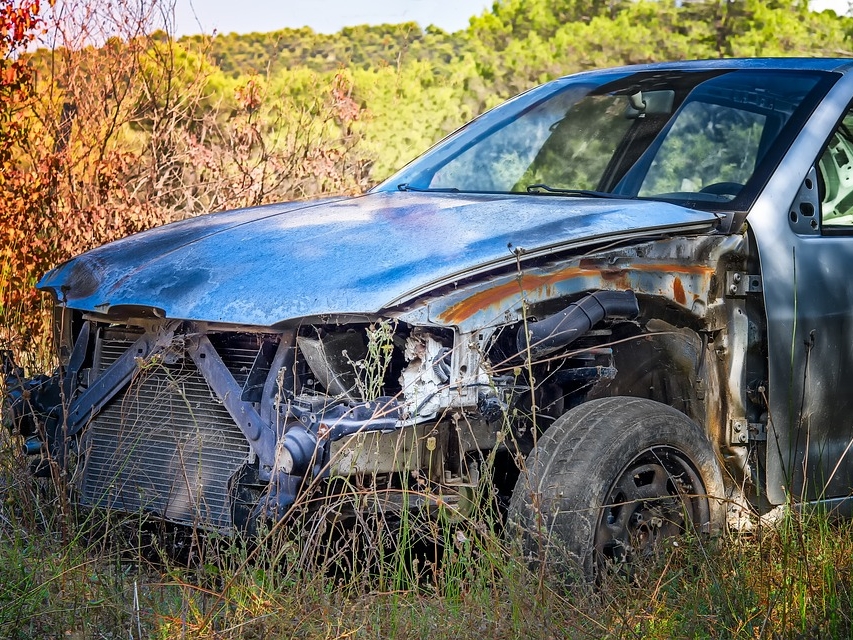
113 139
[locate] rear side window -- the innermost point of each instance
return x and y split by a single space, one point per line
835 177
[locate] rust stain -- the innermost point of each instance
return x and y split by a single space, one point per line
496 295
618 279
686 269
678 291
482 299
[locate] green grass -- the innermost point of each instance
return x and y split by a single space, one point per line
60 579
69 574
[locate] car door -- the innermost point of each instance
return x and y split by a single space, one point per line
803 228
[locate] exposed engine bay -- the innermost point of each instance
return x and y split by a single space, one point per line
207 425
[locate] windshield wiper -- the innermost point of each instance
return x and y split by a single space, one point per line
586 193
407 187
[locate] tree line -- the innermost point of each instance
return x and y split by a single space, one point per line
117 126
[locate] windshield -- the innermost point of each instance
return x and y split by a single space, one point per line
702 138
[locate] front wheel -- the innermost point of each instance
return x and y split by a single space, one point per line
610 480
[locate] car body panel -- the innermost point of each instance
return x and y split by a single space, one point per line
262 267
656 268
809 306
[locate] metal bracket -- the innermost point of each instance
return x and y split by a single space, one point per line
757 431
739 283
76 359
738 431
741 431
108 384
259 434
804 213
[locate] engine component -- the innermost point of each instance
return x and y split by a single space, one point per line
564 327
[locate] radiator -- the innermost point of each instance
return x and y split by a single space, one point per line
165 445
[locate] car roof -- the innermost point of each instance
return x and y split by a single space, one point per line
839 65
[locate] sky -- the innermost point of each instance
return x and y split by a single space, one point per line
328 16
839 6
324 16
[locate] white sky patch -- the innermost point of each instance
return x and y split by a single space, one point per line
323 16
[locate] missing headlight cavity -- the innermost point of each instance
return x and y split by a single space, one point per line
349 363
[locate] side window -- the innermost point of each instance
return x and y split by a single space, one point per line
835 177
710 148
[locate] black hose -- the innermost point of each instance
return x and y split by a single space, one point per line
564 327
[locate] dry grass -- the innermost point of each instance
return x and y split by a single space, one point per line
63 576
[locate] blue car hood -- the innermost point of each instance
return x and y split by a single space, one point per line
266 265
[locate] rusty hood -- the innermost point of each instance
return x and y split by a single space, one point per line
266 265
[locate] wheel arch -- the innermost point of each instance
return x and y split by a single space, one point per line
571 472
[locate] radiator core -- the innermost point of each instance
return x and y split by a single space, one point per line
165 445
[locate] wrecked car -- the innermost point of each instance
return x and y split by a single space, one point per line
616 299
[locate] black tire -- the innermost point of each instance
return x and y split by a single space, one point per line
609 480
